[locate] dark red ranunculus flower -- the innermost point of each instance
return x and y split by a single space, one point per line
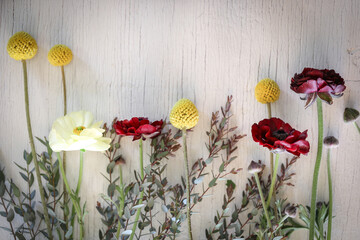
279 136
138 127
314 82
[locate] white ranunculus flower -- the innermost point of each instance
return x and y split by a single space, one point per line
77 131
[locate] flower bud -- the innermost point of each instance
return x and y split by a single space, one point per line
291 211
331 142
350 115
254 167
119 160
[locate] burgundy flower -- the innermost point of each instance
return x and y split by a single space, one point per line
314 82
138 127
278 136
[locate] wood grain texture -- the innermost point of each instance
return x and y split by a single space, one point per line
137 58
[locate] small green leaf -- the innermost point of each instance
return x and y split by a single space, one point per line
111 189
2 189
110 167
69 232
10 215
222 166
209 160
15 190
212 183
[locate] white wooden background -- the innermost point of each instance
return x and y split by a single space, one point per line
137 58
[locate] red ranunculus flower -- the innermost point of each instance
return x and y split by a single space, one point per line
314 82
138 127
278 136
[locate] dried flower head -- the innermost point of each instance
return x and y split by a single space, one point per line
184 114
22 46
60 55
291 211
267 91
254 167
350 115
331 142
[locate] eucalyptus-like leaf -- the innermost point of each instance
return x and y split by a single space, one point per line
164 208
110 167
212 183
209 160
15 190
10 216
69 232
138 206
199 180
2 189
126 232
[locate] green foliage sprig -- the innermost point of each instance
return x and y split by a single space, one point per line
22 203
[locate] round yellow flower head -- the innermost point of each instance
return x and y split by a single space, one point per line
22 46
60 55
184 114
267 91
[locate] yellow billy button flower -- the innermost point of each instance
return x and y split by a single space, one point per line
76 131
60 55
184 114
22 46
267 91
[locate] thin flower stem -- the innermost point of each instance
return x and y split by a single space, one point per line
330 197
68 189
122 200
357 126
66 197
262 200
271 154
316 170
188 202
272 160
64 88
33 152
73 210
273 181
81 170
142 192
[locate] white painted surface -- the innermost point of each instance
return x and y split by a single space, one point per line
136 58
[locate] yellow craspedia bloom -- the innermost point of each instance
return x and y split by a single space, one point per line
60 55
184 114
267 91
22 46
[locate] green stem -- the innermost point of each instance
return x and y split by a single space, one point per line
122 200
142 192
273 181
66 197
271 154
272 161
357 126
73 209
263 200
330 197
316 170
76 204
80 172
188 200
33 152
